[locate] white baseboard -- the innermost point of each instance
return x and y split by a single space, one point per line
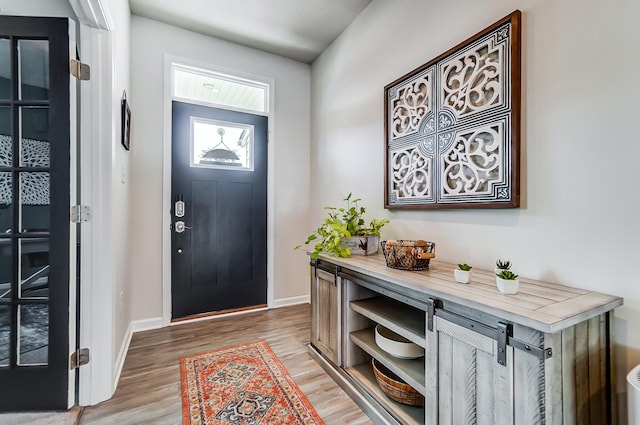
147 324
135 326
284 302
122 355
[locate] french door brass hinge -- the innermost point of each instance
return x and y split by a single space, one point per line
80 70
79 358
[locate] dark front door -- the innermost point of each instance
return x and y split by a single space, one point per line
219 211
34 213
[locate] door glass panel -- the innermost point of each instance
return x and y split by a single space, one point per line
34 268
5 323
6 201
5 68
33 337
33 63
6 141
220 144
34 202
6 271
34 131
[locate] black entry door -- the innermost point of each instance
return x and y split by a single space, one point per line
219 211
34 213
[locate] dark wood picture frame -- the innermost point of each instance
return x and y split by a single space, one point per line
452 126
126 122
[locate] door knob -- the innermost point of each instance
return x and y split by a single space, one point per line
181 227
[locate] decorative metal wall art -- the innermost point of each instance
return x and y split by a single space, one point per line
452 126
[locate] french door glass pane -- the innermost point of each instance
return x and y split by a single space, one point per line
5 68
33 63
34 133
6 141
34 268
6 271
5 323
34 202
33 335
6 201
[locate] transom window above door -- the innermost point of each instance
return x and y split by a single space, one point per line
220 144
228 91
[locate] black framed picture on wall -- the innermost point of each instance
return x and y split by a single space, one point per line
126 122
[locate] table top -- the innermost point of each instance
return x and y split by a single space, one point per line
544 306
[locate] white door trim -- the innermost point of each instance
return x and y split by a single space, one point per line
97 133
166 177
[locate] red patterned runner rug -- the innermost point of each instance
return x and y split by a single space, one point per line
245 385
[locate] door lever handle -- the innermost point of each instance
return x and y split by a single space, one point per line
181 227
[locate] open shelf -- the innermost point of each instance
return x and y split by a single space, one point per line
409 415
409 370
394 315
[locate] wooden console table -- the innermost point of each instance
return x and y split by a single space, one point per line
543 355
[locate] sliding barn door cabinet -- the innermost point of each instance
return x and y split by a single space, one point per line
543 355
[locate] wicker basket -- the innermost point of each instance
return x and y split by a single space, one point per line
408 255
394 388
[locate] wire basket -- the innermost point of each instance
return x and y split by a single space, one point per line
395 388
408 255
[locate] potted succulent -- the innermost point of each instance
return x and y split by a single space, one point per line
507 282
463 273
502 265
345 232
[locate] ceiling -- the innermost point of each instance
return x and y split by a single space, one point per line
296 29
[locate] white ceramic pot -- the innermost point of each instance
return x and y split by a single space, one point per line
508 286
462 276
397 345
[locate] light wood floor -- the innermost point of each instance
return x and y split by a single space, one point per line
149 387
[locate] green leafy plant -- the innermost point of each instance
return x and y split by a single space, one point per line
507 275
465 267
503 265
341 224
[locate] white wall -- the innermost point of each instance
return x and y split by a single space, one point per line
150 42
120 184
578 223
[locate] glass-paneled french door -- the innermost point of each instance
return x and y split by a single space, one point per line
35 196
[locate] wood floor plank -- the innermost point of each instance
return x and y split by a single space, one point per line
149 389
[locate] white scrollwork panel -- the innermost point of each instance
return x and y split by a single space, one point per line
410 173
411 103
472 81
474 162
